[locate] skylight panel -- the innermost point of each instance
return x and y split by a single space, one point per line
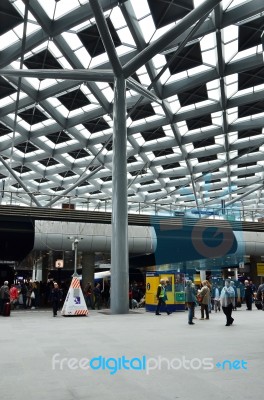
117 18
7 39
209 57
230 38
65 6
174 104
72 40
144 79
232 115
198 70
108 93
99 60
126 38
178 77
231 82
83 56
245 53
217 119
141 8
147 27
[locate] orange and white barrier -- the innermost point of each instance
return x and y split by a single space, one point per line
74 304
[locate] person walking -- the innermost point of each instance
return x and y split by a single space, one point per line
88 295
13 296
4 296
248 295
216 298
55 298
162 297
97 296
227 298
190 300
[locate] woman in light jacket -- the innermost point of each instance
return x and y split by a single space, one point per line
205 298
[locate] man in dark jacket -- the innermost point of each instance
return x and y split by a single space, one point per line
55 298
260 295
248 295
4 296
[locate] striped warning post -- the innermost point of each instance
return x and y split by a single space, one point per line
75 284
74 304
81 312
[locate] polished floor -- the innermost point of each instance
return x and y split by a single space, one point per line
134 356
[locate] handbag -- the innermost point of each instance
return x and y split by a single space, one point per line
32 296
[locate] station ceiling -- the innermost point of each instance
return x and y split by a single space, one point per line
195 110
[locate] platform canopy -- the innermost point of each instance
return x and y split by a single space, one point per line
195 101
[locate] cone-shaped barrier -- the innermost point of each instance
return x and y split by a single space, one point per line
74 304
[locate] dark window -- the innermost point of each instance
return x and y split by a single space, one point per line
166 12
189 57
200 122
91 39
42 60
76 154
170 166
48 162
164 152
58 137
5 88
204 142
96 125
32 116
153 134
74 100
142 112
207 158
26 147
9 17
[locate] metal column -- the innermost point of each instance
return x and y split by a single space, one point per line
119 247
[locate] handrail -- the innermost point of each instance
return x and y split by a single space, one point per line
81 203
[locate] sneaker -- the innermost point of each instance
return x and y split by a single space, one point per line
169 312
191 323
33 308
158 314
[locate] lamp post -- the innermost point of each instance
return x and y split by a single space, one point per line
75 249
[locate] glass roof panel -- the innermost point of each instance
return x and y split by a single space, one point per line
210 106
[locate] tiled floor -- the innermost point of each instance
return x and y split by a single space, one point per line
44 358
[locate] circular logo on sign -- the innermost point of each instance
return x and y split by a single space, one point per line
223 236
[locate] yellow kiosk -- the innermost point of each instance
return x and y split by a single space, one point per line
174 290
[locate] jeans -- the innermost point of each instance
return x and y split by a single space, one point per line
190 312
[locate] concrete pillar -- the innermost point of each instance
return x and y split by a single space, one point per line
45 266
119 244
87 268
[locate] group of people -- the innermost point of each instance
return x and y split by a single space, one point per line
97 297
225 298
28 294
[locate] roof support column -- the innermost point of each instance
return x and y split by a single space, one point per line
119 246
